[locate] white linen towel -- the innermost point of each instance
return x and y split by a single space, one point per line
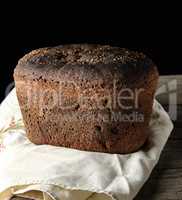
45 172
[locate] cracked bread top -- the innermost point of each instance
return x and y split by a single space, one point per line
85 62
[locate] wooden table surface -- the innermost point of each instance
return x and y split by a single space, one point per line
165 182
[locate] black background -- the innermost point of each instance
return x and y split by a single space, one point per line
19 36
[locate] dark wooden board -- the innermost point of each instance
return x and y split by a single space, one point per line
165 182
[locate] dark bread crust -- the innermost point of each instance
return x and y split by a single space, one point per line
88 71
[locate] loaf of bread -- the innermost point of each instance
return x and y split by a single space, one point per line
87 97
